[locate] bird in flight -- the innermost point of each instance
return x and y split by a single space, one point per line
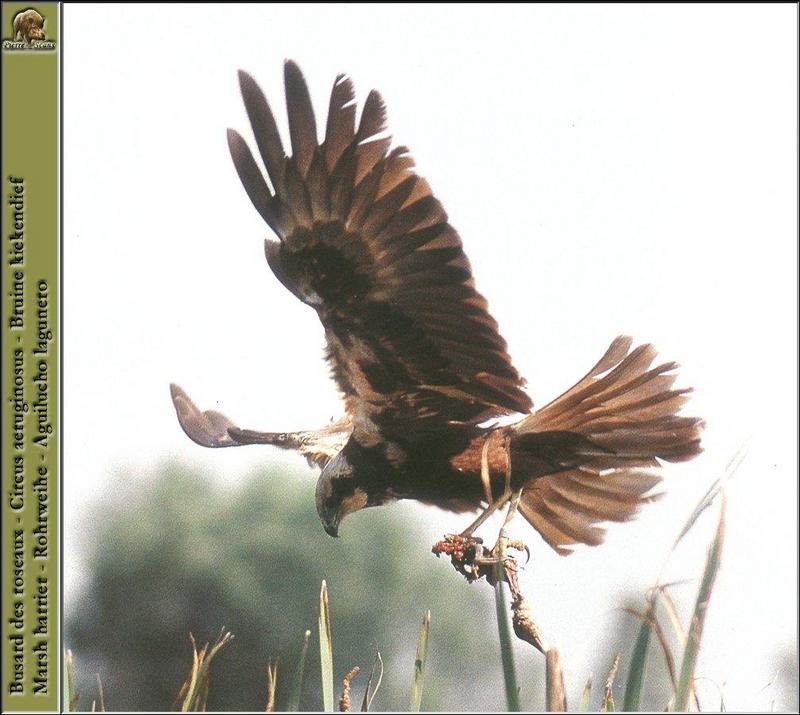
423 371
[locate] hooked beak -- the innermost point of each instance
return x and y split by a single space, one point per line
332 529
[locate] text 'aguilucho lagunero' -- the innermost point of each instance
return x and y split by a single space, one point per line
29 341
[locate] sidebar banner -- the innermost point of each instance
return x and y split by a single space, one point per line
30 355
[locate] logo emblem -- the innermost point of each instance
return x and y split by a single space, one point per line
28 32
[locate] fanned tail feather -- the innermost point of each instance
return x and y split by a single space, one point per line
604 436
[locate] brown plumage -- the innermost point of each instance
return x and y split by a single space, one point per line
416 355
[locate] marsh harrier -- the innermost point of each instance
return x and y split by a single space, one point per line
422 368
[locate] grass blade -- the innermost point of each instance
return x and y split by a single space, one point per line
662 639
554 682
325 649
633 687
366 703
272 684
70 695
705 501
100 695
506 648
669 604
194 691
608 694
686 678
713 490
419 663
293 701
587 691
672 612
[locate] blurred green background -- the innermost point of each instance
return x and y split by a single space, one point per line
177 552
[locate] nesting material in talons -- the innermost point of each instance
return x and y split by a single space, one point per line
467 554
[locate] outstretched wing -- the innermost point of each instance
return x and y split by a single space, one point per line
365 243
210 428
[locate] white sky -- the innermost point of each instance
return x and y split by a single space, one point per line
610 169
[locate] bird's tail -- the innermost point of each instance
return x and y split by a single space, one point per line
603 437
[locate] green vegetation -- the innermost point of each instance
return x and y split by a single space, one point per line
175 552
419 663
178 555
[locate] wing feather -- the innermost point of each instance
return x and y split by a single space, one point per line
302 125
364 241
373 117
319 197
340 129
268 139
252 179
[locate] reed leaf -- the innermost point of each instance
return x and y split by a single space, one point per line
695 634
419 663
293 701
272 684
100 695
194 691
70 695
713 490
325 649
633 687
366 703
587 691
672 612
608 693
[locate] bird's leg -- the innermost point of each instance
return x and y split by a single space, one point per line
485 479
487 512
503 541
502 538
512 510
498 552
467 553
499 564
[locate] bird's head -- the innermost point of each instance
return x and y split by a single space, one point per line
338 493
